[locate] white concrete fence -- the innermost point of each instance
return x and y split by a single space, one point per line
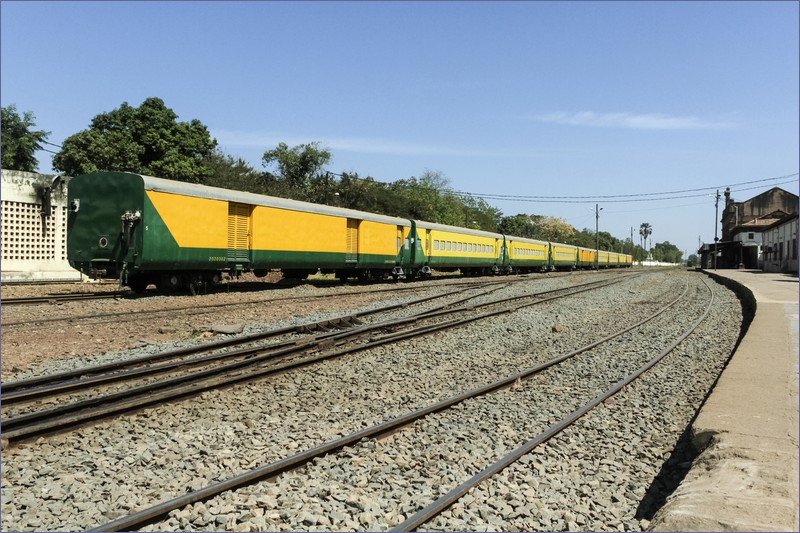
34 234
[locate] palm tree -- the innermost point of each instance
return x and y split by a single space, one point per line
645 230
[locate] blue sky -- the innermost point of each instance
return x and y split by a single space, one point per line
546 99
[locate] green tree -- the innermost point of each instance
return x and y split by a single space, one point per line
19 140
645 230
519 225
554 229
364 194
667 252
425 198
296 168
147 139
480 215
232 173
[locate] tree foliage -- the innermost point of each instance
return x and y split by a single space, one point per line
667 252
363 194
147 139
645 230
519 225
232 173
19 139
299 170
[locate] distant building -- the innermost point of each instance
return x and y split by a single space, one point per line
746 225
779 245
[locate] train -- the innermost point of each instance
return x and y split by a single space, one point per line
144 230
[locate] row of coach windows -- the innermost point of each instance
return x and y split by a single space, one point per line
450 246
530 252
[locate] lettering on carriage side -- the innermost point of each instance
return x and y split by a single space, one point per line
216 258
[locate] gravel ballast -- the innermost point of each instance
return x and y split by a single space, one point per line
604 472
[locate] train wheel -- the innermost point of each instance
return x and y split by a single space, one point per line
197 284
138 284
169 282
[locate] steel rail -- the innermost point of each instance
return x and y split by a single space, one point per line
54 298
24 425
247 302
150 514
59 418
62 377
445 501
155 369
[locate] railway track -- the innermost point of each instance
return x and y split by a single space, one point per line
114 468
194 309
244 361
59 298
573 411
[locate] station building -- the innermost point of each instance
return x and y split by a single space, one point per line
759 233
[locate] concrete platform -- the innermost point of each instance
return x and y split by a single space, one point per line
746 477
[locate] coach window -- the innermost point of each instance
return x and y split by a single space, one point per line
435 244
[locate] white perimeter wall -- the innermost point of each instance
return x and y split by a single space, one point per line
34 247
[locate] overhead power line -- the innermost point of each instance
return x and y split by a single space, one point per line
641 197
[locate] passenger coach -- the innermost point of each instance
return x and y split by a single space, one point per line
144 230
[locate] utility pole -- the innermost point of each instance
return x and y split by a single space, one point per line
597 210
716 223
632 248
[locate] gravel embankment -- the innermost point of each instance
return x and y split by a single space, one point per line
592 477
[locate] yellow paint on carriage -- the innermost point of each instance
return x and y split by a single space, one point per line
203 223
193 222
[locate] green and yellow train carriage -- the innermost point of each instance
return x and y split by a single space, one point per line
145 230
563 256
148 230
450 248
528 255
